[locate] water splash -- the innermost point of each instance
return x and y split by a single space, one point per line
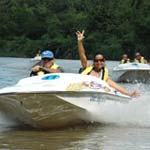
135 113
5 123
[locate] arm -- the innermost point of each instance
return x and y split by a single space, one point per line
36 68
83 59
121 89
49 70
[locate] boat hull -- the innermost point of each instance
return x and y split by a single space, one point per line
54 109
133 76
57 100
132 72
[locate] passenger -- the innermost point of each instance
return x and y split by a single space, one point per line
38 54
98 68
124 59
47 65
139 58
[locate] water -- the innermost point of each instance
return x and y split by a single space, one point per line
124 127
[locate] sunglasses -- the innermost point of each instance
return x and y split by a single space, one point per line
99 60
137 55
47 59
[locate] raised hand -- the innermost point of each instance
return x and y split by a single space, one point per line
80 35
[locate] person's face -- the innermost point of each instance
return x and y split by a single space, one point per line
47 62
125 57
138 56
99 61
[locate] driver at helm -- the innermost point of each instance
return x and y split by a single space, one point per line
47 65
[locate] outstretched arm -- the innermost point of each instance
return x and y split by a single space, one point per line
121 89
83 59
50 70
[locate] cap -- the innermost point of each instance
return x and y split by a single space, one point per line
47 54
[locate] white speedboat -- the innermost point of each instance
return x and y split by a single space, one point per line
36 58
57 100
132 72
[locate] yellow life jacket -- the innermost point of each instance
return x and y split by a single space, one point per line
87 71
142 60
54 66
125 61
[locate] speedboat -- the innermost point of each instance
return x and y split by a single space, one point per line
132 72
57 99
36 58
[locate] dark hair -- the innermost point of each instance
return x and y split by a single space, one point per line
96 55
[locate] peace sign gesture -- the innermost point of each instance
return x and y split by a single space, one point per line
80 35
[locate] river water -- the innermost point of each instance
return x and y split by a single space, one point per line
122 128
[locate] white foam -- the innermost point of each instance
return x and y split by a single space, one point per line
136 112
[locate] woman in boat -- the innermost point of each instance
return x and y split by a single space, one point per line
47 64
98 68
139 59
124 59
38 54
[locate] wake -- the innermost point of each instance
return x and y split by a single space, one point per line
134 113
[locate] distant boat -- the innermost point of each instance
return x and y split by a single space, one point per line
36 58
58 99
132 72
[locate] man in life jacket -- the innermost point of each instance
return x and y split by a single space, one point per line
98 68
124 59
139 59
47 64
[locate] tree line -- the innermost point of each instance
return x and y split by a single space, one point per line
111 27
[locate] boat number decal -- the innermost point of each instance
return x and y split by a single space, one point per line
97 99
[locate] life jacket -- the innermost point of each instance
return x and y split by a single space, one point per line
125 61
88 70
42 72
142 60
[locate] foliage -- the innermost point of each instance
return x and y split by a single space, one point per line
111 27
